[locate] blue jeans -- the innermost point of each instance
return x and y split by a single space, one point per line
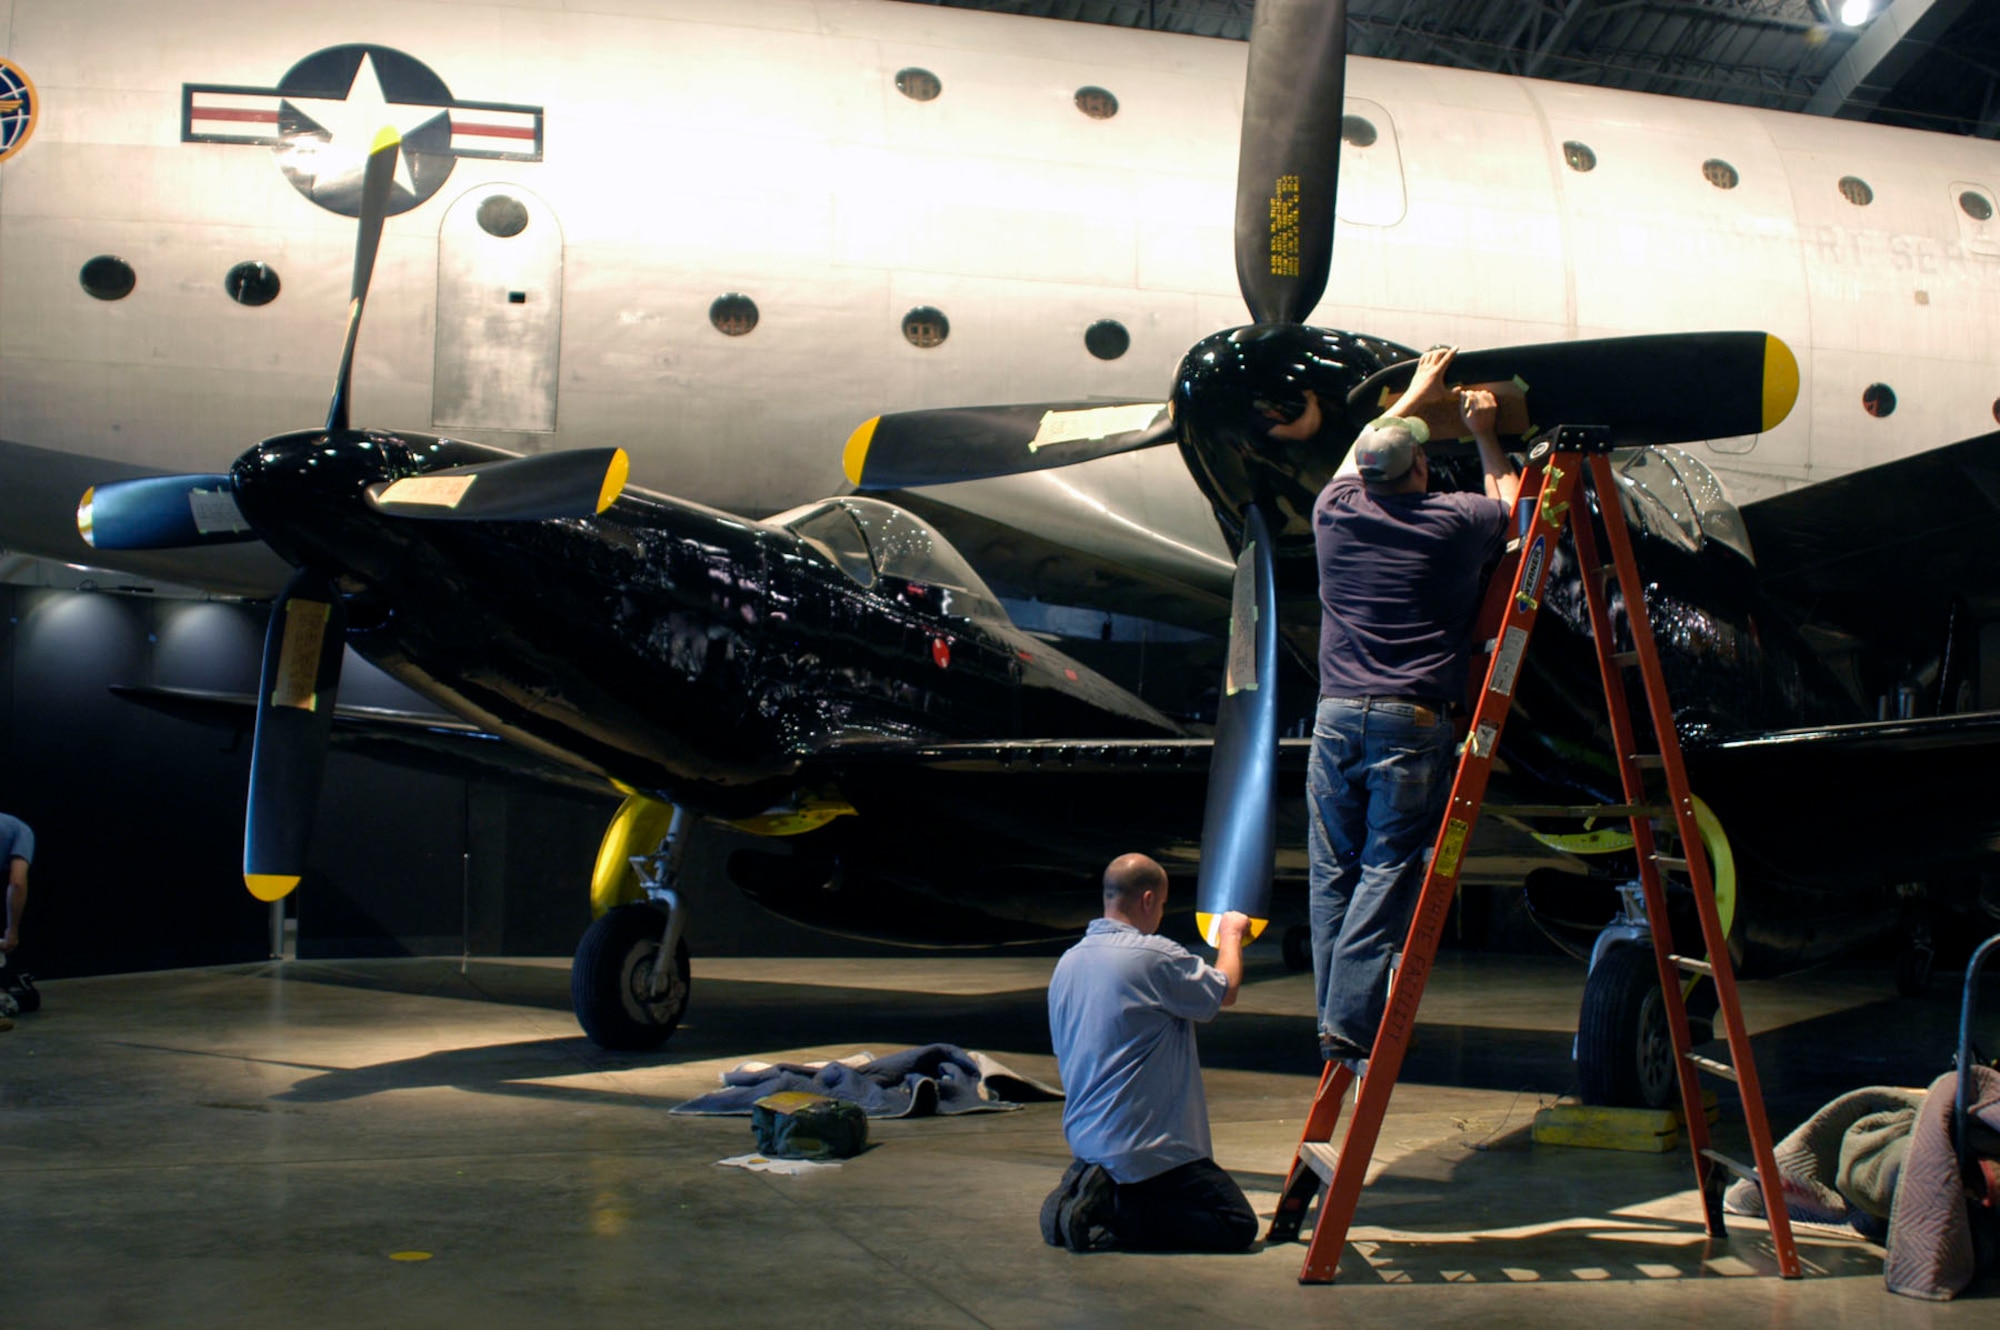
1376 784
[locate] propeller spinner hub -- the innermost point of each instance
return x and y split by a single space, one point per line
1262 415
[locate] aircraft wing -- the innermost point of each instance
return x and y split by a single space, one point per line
1882 553
419 740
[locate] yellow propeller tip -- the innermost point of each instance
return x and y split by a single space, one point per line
386 137
855 457
85 526
1781 381
1205 923
270 886
615 476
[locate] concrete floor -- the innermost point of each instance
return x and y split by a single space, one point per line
253 1145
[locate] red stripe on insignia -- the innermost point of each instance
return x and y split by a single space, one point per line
493 131
229 113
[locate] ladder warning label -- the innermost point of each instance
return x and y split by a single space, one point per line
1507 664
1450 848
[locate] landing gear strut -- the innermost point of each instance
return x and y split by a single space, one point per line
630 980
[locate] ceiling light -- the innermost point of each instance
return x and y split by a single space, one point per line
1854 13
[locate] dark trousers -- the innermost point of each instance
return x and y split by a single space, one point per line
1196 1207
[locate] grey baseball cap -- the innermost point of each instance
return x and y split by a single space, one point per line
1386 450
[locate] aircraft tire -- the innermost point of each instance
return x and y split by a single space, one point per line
608 976
1624 1051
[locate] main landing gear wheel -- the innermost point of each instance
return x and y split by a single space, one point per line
1624 1051
611 981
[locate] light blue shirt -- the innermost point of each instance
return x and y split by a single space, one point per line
1122 1010
16 842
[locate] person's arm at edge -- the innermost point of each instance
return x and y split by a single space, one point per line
1478 408
17 901
1229 934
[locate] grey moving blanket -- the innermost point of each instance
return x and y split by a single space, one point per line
937 1078
1840 1165
1930 1236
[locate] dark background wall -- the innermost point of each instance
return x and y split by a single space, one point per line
138 815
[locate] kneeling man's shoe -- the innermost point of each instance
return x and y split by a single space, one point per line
1085 1217
1052 1204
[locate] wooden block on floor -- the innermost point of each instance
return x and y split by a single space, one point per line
1643 1130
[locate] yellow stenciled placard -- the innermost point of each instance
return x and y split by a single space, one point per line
1285 227
297 682
1452 848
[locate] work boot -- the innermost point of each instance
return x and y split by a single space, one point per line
1052 1205
1085 1218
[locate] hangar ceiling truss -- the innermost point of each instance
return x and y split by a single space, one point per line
1932 64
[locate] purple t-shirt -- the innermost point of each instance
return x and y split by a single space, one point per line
1398 588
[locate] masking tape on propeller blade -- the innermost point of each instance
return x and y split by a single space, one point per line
430 491
615 476
1781 381
1206 924
270 886
297 684
855 457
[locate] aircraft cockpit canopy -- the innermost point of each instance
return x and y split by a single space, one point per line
869 539
1673 496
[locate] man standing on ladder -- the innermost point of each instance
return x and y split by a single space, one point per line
1399 587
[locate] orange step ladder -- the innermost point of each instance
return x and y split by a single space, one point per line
1513 603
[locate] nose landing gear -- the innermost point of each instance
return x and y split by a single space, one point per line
630 980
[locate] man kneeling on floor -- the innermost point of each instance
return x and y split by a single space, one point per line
1123 1003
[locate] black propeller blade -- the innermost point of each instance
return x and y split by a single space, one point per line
913 448
1239 832
161 512
1657 389
1288 163
295 697
524 489
375 184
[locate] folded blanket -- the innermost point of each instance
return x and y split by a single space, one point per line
1930 1236
1841 1162
937 1078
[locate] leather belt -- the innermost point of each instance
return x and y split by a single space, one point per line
1425 711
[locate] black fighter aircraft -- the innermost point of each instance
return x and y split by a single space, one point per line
1829 827
837 674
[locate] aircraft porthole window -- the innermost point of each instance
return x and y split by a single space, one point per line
733 314
1719 173
502 216
1878 400
926 327
1356 132
252 283
1855 190
1579 156
107 277
1107 339
1976 205
1096 103
919 85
